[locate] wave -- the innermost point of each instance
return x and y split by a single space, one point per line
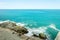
42 29
53 27
37 31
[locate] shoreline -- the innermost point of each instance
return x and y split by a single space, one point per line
29 32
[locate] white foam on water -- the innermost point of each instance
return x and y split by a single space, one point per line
53 27
41 30
4 21
29 34
20 24
36 31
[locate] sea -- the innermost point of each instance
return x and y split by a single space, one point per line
40 20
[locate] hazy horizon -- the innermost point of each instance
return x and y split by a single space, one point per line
29 4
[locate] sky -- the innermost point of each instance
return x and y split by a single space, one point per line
29 4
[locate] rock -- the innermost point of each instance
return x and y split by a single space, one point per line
30 38
6 34
14 30
7 24
35 35
35 38
13 26
20 30
42 36
58 36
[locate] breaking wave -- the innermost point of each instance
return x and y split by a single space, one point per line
42 29
53 27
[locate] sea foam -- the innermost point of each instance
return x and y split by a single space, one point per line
42 29
36 31
53 27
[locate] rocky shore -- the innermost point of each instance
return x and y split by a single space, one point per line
9 30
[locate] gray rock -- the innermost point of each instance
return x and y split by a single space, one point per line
7 24
6 34
42 36
12 25
8 30
23 37
20 30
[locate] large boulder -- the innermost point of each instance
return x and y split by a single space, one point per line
20 30
7 24
13 26
42 36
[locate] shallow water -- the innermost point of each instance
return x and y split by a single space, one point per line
34 18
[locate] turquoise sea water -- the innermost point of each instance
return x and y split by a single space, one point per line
35 18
